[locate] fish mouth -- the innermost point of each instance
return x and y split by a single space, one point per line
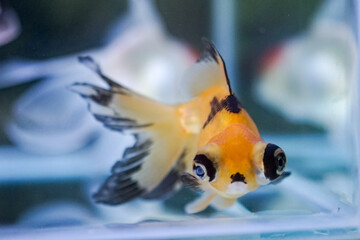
236 189
281 177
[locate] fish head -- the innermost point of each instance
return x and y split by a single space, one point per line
237 161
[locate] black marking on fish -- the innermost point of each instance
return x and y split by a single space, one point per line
270 161
208 164
237 177
230 104
94 66
190 181
112 120
102 97
132 158
96 94
117 190
127 169
121 128
139 146
209 52
123 183
119 187
167 185
215 108
118 123
226 76
129 165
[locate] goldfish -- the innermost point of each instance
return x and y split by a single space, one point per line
209 143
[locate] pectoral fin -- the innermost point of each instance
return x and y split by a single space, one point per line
221 203
200 203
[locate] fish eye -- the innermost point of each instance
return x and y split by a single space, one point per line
274 161
204 168
200 171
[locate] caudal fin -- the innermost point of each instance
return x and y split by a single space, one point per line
152 166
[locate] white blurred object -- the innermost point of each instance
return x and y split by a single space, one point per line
49 119
56 214
9 24
307 79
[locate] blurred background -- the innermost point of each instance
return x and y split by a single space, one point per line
293 64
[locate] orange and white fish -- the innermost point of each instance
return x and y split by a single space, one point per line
210 143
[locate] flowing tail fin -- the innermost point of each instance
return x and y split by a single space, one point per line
151 167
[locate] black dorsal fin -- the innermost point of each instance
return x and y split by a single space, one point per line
209 71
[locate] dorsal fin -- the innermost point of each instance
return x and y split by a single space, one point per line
209 71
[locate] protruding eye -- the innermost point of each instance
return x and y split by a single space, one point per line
200 171
274 161
204 168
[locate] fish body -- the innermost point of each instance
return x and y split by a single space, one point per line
210 142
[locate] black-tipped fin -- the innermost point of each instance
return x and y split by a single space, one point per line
191 182
159 144
209 71
94 66
121 187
